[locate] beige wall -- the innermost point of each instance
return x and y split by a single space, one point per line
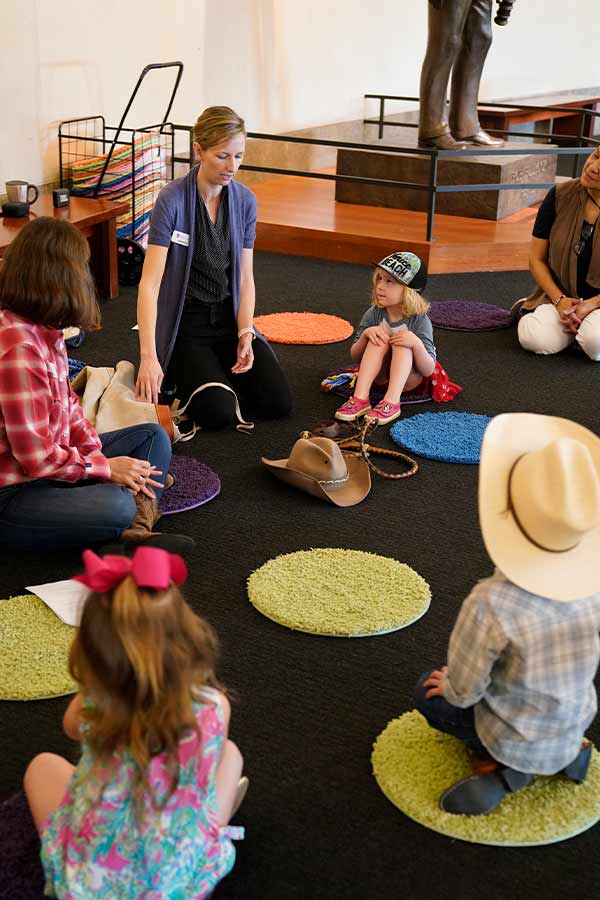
283 64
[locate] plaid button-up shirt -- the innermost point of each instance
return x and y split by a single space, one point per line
43 433
527 665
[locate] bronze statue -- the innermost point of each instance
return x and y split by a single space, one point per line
459 37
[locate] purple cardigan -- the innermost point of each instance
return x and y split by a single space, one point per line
174 211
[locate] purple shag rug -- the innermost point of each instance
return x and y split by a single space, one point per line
341 382
195 484
21 872
467 315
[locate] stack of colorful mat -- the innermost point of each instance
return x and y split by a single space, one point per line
146 174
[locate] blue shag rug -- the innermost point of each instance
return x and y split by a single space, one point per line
449 437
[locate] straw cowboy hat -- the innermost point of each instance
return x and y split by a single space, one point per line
539 504
318 466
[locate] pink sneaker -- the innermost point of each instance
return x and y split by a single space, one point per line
352 409
385 412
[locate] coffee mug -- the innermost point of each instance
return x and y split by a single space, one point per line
18 192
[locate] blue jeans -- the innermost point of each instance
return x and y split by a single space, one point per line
51 515
447 718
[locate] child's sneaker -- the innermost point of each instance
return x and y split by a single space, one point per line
352 409
384 412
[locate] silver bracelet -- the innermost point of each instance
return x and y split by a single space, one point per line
248 330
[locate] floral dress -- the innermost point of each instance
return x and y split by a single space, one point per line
95 846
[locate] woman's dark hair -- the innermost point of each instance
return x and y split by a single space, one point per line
46 277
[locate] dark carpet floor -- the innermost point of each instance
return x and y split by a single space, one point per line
308 709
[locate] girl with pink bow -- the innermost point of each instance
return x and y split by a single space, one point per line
146 810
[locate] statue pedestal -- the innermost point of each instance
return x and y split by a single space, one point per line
462 170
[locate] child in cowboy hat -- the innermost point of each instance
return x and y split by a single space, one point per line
518 688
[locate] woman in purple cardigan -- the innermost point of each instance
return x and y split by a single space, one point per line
196 297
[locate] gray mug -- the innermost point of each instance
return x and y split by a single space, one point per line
18 192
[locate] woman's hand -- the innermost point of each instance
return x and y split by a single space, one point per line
584 308
435 683
135 474
245 354
149 380
566 312
377 335
566 306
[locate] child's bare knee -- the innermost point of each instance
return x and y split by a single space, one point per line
398 349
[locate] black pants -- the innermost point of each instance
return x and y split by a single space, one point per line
262 391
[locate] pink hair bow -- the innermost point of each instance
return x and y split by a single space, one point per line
149 567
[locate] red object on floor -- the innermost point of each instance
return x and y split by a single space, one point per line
442 389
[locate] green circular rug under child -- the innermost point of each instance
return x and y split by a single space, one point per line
414 764
34 649
339 593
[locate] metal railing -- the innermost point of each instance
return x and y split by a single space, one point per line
434 155
581 112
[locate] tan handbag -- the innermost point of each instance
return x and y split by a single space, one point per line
108 402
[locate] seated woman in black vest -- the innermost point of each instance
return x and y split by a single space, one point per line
564 259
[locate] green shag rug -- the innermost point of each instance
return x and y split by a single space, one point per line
414 764
340 593
34 647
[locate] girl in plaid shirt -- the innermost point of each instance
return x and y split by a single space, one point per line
62 484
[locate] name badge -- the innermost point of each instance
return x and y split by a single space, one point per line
180 237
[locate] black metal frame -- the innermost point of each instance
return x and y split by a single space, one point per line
434 155
550 136
117 136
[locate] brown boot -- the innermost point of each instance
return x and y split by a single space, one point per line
141 531
146 517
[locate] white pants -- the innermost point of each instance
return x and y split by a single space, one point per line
541 332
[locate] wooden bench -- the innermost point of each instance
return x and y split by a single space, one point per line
561 121
96 219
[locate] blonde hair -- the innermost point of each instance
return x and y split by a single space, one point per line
413 304
217 124
142 657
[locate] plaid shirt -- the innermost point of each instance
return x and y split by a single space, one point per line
527 665
43 433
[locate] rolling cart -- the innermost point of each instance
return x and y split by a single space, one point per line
117 163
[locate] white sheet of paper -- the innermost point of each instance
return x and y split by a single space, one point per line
65 598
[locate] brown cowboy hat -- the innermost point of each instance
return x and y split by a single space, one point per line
318 466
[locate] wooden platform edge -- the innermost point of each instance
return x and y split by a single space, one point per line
360 249
333 245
